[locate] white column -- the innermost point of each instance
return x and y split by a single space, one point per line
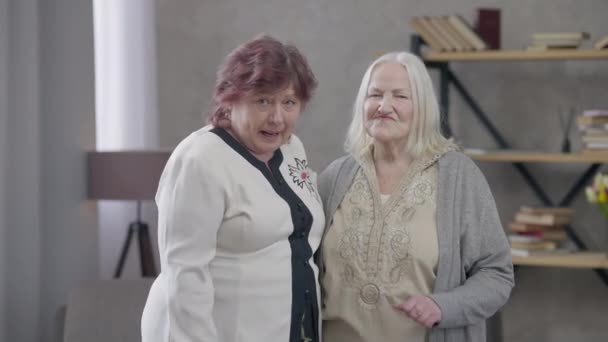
126 108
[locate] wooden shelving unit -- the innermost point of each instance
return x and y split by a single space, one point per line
515 55
514 156
441 61
571 260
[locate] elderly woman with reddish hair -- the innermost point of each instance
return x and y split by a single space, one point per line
239 213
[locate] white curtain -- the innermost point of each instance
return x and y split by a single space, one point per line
126 110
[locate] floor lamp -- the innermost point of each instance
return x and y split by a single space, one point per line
130 176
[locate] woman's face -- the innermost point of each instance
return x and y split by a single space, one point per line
388 107
264 122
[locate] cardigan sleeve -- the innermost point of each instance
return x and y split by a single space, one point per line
324 184
486 258
338 171
191 205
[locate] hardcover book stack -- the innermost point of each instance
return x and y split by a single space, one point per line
565 40
539 230
593 125
447 33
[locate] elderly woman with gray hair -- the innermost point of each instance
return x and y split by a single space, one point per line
413 248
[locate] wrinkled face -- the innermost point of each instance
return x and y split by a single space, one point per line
264 122
388 107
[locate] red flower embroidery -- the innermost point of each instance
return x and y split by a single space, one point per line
301 175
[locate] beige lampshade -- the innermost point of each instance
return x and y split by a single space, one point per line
124 175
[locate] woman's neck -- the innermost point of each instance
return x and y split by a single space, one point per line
391 154
391 163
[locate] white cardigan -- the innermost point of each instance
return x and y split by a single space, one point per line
236 241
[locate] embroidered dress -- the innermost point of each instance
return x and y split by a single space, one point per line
378 251
236 239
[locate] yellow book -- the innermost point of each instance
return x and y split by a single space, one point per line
427 36
465 30
445 35
462 40
426 22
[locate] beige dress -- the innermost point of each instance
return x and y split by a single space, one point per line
378 253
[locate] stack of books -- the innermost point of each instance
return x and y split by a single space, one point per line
539 230
565 40
447 33
593 125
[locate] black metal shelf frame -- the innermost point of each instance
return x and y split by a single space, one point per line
447 78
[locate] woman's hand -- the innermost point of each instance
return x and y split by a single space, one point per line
421 309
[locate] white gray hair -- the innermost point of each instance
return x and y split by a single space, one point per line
425 134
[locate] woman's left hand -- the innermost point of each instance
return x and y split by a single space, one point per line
421 309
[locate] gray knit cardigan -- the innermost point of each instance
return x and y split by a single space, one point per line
475 271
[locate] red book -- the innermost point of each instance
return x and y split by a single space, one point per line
488 26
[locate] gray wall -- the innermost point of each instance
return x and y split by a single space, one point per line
3 142
23 213
341 37
49 231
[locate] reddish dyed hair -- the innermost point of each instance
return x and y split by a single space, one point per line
261 65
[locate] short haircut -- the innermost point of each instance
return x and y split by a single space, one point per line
261 65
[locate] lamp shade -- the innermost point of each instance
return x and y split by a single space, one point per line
124 175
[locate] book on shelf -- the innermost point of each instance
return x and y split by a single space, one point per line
543 47
523 238
583 120
557 40
546 210
593 127
596 145
466 31
528 253
430 27
532 228
488 26
552 235
542 219
538 230
428 35
541 245
460 40
595 138
595 112
447 33
594 132
601 43
561 36
444 33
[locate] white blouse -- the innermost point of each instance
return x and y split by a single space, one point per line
236 240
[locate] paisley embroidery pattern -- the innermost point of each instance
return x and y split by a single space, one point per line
375 245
